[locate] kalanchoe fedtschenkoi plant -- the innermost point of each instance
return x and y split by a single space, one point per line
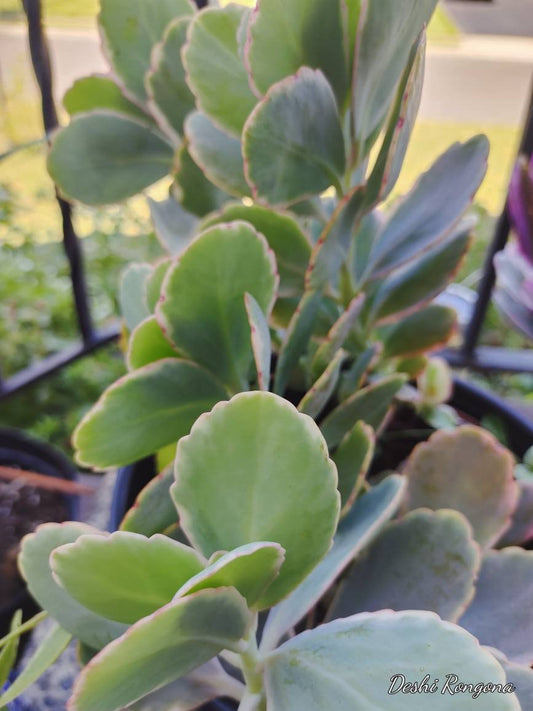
514 266
258 501
284 271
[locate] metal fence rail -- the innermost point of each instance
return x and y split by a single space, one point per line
469 355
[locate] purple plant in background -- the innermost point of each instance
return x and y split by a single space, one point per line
514 266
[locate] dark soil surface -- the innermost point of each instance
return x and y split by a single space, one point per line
22 509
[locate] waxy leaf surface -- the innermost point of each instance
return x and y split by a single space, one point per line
469 471
202 307
162 400
104 157
426 561
124 576
254 469
348 664
161 648
93 630
366 517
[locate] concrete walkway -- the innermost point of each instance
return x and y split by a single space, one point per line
498 17
484 79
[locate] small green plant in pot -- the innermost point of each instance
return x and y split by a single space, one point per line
168 624
281 253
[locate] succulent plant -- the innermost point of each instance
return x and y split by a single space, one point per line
264 528
514 266
284 270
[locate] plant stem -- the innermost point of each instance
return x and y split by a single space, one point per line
251 665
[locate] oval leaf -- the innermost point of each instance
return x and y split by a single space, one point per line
202 307
305 33
148 344
93 630
349 664
215 71
261 342
501 613
153 510
292 142
162 400
250 569
124 576
161 648
99 91
105 157
284 236
426 561
271 462
469 471
170 97
371 405
130 29
352 459
217 153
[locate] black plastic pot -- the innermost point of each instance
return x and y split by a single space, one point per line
20 451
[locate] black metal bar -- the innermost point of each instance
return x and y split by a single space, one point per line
501 236
43 368
43 72
485 359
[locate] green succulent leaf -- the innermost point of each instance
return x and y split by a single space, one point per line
501 614
364 520
522 679
316 399
132 294
52 646
147 345
426 330
352 459
250 569
124 576
337 336
195 193
173 226
217 153
191 691
426 561
104 157
389 162
297 338
261 342
387 32
333 246
162 400
93 630
271 463
215 71
202 306
431 209
170 98
362 244
292 142
100 91
305 33
154 282
521 529
352 379
130 30
161 648
316 669
153 511
284 235
8 654
416 283
469 471
371 405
